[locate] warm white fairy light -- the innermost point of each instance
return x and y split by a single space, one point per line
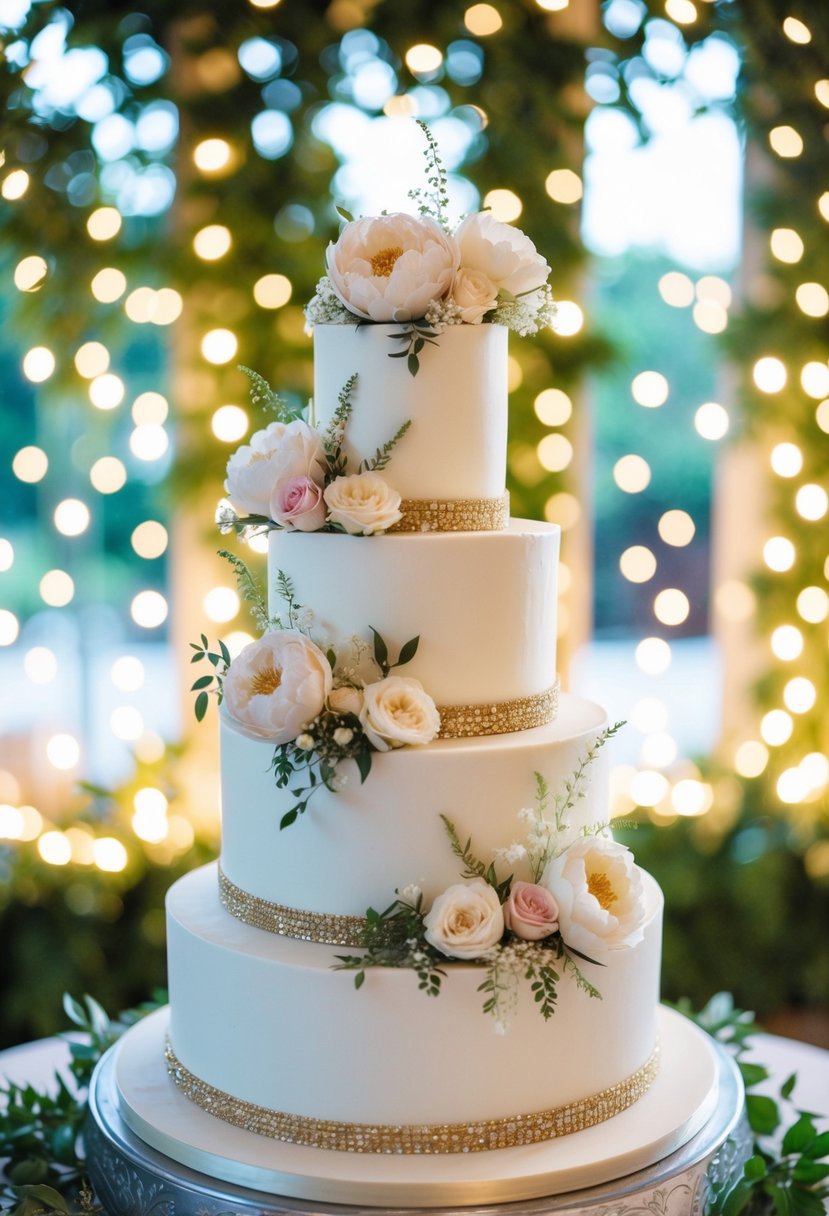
30 273
648 787
632 474
212 242
563 509
786 459
569 319
38 364
229 423
814 379
423 59
690 797
91 360
555 453
149 609
55 848
110 855
553 407
106 392
676 289
815 768
791 786
9 627
11 822
104 223
40 665
786 245
649 389
15 185
168 306
710 317
212 155
272 291
786 643
671 606
769 374
797 31
128 673
482 20
57 588
779 553
659 750
637 564
811 502
676 528
126 723
149 539
221 604
564 186
219 346
236 641
150 748
822 416
149 819
30 464
258 542
140 305
149 409
649 715
504 204
711 421
812 299
71 517
786 141
108 475
81 845
751 758
149 442
776 727
63 752
813 605
734 600
515 374
6 555
799 695
653 656
108 285
712 287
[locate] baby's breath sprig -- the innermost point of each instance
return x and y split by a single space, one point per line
433 202
266 398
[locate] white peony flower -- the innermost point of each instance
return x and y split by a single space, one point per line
504 254
465 921
280 451
276 686
362 503
598 888
391 267
398 711
474 294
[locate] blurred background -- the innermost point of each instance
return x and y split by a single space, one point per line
169 178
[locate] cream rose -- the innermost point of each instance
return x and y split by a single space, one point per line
280 451
465 921
504 254
474 294
530 911
598 888
297 504
391 268
362 503
398 711
346 700
276 686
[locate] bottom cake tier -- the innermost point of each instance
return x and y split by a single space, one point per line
266 1034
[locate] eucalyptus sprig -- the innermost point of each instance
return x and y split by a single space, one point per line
208 685
785 1175
414 336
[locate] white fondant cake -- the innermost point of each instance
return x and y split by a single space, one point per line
330 815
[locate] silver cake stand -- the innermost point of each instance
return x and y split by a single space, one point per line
132 1179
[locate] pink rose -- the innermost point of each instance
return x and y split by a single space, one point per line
297 503
530 912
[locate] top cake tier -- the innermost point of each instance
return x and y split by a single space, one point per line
456 445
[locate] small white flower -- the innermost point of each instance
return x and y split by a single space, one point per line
511 854
526 814
501 1028
410 894
305 742
343 736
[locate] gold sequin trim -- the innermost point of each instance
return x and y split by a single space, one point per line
324 928
471 1137
453 515
498 717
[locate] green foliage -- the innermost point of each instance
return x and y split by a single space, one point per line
473 866
414 337
332 438
381 652
267 399
383 455
205 685
434 201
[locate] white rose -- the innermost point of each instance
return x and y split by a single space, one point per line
276 686
504 254
391 268
346 700
466 920
598 888
362 503
398 711
475 294
280 451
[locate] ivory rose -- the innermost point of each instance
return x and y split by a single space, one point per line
280 451
530 911
276 686
391 267
362 503
297 504
598 889
465 921
398 711
504 254
474 294
346 700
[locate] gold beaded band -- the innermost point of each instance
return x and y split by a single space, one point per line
453 515
471 1137
324 928
498 717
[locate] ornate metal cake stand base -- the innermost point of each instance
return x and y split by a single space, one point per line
132 1178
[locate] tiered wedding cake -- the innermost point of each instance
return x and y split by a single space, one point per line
396 741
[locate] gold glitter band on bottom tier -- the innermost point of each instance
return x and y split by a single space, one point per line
469 1137
498 717
323 928
453 515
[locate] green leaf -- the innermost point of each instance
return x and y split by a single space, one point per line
408 651
346 215
755 1167
737 1199
359 979
799 1135
202 702
753 1074
381 651
413 364
763 1115
74 1011
809 1172
47 1195
363 761
202 682
30 1170
288 818
819 1147
787 1088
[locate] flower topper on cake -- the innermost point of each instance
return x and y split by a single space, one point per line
295 477
319 705
581 897
417 271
